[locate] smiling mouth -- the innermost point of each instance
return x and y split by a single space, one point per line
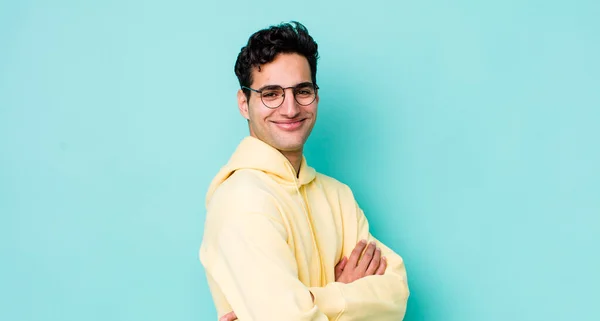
290 125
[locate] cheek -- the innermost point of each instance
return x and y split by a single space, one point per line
259 114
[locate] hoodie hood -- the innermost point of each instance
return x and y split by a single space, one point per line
252 153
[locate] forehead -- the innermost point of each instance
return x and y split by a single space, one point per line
285 70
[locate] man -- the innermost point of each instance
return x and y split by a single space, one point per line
281 241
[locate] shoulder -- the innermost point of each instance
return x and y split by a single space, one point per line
245 191
240 213
244 182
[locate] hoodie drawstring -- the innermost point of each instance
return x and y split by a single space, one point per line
304 199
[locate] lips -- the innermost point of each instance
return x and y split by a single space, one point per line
289 125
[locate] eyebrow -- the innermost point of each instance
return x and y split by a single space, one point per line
306 83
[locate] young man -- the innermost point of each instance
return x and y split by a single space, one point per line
281 241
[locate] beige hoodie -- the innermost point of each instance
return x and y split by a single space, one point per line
271 238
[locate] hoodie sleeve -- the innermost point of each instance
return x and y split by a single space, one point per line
246 257
375 297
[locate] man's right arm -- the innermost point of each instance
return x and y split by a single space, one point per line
248 258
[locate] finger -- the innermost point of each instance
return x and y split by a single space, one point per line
342 263
355 255
365 260
374 265
339 268
229 317
382 266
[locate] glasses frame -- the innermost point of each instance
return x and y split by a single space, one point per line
259 91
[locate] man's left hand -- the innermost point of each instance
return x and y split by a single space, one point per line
229 317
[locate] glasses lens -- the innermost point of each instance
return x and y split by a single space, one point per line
272 97
305 94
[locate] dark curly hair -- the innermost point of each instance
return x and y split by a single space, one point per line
264 45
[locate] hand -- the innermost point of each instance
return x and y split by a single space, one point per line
229 317
357 267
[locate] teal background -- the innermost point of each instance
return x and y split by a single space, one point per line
468 131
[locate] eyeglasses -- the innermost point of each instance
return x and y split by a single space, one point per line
273 96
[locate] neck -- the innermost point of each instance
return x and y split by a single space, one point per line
295 159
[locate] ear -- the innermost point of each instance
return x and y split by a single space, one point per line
243 104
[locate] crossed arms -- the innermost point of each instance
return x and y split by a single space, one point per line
367 286
365 260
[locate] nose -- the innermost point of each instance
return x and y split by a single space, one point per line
289 108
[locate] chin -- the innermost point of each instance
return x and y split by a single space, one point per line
291 146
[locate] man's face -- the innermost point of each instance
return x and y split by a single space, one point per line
288 126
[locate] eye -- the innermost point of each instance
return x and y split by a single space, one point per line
271 94
304 91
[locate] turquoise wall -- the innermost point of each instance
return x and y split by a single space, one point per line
469 132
